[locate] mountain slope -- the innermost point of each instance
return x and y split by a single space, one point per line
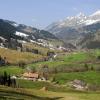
74 29
13 35
90 40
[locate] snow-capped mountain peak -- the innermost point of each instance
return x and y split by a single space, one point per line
73 21
69 21
80 15
96 13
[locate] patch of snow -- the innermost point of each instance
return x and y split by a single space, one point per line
21 34
16 25
61 48
3 47
96 13
2 38
21 41
71 21
89 22
33 37
55 56
33 41
69 18
52 48
40 40
80 15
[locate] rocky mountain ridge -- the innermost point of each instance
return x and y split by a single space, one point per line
74 29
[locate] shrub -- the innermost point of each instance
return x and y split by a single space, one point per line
86 67
98 57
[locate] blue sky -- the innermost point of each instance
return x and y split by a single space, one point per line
41 13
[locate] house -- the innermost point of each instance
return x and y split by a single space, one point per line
78 84
50 54
31 76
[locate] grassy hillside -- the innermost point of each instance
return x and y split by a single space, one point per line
41 49
32 90
22 94
77 59
12 70
39 85
89 77
73 60
31 94
14 57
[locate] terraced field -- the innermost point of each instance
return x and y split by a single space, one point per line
30 90
14 57
91 77
75 59
12 70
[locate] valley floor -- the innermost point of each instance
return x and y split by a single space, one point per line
65 68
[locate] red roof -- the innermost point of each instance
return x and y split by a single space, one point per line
31 75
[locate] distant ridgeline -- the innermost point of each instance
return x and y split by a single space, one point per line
19 39
82 31
13 35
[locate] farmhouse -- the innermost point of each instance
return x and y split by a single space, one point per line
78 84
31 76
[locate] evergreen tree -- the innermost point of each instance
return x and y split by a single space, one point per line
5 77
86 67
9 80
